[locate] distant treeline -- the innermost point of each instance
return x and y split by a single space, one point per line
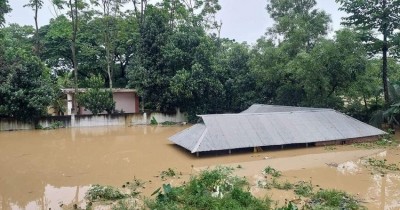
172 53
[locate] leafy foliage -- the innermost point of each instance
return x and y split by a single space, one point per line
273 172
371 16
99 192
95 98
25 86
303 188
333 199
211 189
172 53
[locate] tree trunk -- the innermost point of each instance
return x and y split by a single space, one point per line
74 18
37 47
384 56
107 37
384 72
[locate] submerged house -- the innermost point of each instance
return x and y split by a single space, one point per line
126 100
269 125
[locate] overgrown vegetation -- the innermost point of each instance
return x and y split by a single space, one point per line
95 98
303 188
386 141
168 123
333 199
322 199
53 125
176 57
381 165
169 173
219 189
153 121
271 171
211 189
99 192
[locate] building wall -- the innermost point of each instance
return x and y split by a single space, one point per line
348 141
128 102
125 101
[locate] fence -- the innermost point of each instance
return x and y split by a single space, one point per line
72 121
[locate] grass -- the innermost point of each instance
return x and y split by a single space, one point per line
381 165
303 188
330 148
168 123
220 189
134 186
273 172
333 199
52 126
168 173
99 192
211 189
286 185
385 141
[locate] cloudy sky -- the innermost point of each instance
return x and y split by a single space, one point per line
242 20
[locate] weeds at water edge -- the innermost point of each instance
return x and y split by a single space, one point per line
273 172
381 165
211 189
98 192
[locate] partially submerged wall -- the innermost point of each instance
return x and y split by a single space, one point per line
347 141
73 121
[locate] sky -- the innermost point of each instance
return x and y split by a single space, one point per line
242 20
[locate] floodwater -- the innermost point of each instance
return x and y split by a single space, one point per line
44 169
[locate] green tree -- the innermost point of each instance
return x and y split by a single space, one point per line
56 45
96 98
74 7
36 5
233 70
147 72
25 86
369 16
4 9
298 22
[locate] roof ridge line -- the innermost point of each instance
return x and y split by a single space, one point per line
268 113
199 141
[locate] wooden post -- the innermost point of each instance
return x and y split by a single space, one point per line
197 154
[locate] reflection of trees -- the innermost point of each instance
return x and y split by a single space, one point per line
30 160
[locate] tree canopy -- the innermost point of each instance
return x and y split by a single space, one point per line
172 53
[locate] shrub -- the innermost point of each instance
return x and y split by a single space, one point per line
211 189
333 199
98 192
273 172
303 188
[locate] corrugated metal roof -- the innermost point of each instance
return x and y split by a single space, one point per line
232 131
263 108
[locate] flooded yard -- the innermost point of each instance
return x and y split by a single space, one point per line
44 169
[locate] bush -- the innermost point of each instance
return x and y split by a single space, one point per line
98 192
303 188
273 172
96 99
333 199
211 189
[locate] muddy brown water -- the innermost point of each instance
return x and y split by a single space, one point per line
42 169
